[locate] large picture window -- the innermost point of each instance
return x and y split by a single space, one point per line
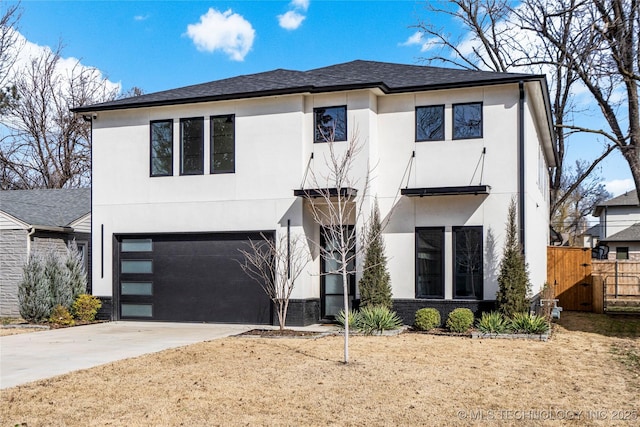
162 148
192 146
467 262
429 263
330 124
223 137
467 120
430 123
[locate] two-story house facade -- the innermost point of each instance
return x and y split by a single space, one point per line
182 179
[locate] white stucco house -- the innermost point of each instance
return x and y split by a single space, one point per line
619 228
183 178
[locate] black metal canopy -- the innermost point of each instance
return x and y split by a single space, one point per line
446 191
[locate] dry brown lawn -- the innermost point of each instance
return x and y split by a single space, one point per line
587 374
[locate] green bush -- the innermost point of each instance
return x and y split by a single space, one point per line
353 319
525 323
377 319
460 320
493 323
61 316
85 307
427 318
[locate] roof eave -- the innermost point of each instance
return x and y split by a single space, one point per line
303 89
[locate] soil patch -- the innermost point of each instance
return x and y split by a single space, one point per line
277 333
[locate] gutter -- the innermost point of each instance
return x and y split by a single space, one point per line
521 166
33 228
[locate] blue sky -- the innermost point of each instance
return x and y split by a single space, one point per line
168 44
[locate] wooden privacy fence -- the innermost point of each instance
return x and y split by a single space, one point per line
569 272
584 284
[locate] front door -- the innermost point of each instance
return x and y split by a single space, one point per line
331 289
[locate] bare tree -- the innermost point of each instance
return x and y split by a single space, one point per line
494 40
571 217
48 146
598 40
9 48
336 204
276 265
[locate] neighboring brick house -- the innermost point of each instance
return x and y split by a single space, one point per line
38 220
183 178
619 228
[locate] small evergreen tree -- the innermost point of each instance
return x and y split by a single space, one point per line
77 276
513 279
34 296
57 276
375 286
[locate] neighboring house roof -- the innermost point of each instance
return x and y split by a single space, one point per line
50 208
629 234
593 231
388 77
630 198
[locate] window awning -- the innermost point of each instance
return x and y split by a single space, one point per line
314 193
446 191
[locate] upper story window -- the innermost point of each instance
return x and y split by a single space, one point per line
223 137
430 123
330 124
192 146
467 120
162 148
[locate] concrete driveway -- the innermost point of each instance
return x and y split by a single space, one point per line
38 355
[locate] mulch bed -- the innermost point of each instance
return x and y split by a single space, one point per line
277 333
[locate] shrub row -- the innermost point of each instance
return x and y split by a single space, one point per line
461 320
371 319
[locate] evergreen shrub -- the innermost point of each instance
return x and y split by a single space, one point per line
427 319
460 320
85 307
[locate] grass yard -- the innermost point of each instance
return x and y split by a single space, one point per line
587 374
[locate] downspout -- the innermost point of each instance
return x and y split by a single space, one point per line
521 165
32 231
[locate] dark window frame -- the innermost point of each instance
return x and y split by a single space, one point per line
442 263
212 153
622 250
200 171
442 126
453 120
316 132
151 148
479 295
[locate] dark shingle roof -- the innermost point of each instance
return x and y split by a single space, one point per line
54 208
629 234
629 198
390 78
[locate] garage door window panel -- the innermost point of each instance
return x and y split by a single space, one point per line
136 288
136 266
136 245
136 310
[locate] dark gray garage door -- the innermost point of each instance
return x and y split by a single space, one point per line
188 278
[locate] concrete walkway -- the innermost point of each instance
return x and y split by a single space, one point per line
37 355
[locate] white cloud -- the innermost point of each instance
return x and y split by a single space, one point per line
418 39
291 20
300 4
619 186
225 31
66 66
141 17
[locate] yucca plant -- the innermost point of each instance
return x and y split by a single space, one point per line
353 319
492 323
377 319
526 323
